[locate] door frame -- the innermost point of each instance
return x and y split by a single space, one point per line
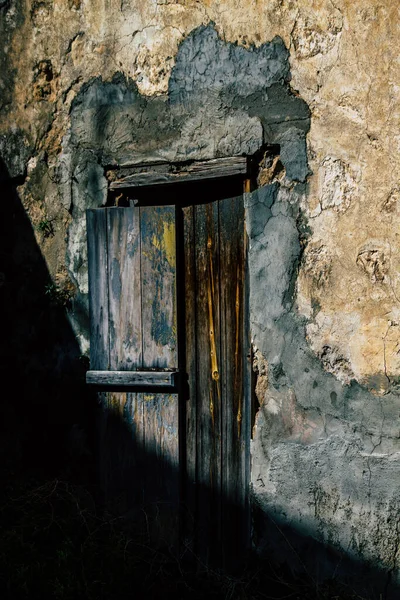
143 185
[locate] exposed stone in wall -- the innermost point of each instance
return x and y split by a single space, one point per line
42 80
374 261
260 367
310 39
338 185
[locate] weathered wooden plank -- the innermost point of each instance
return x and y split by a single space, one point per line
158 275
121 450
233 343
247 361
197 171
190 397
248 390
98 288
153 493
208 381
161 477
125 315
169 443
133 422
163 166
170 466
151 437
132 378
102 447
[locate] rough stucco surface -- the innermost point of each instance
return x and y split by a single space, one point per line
325 455
87 84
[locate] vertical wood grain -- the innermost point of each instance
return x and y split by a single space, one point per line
98 288
151 436
189 391
121 450
209 367
133 419
161 475
125 314
158 273
234 407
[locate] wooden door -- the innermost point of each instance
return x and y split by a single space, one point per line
134 357
218 364
159 275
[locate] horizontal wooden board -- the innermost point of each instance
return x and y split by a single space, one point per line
132 378
197 171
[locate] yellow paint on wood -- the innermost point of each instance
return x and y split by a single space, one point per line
210 295
237 366
213 347
166 242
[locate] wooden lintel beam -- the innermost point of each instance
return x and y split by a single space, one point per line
196 171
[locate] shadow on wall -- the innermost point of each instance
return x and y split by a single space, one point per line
41 371
144 486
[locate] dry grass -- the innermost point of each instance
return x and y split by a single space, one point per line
54 543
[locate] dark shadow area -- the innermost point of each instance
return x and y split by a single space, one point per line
59 542
142 487
182 194
42 372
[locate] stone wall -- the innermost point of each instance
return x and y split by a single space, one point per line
85 85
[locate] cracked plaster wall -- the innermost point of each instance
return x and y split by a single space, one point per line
324 253
324 453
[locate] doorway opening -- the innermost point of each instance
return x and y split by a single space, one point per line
177 253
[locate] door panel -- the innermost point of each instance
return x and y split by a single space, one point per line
208 369
217 354
98 289
190 390
139 461
132 288
124 289
158 274
152 442
234 358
